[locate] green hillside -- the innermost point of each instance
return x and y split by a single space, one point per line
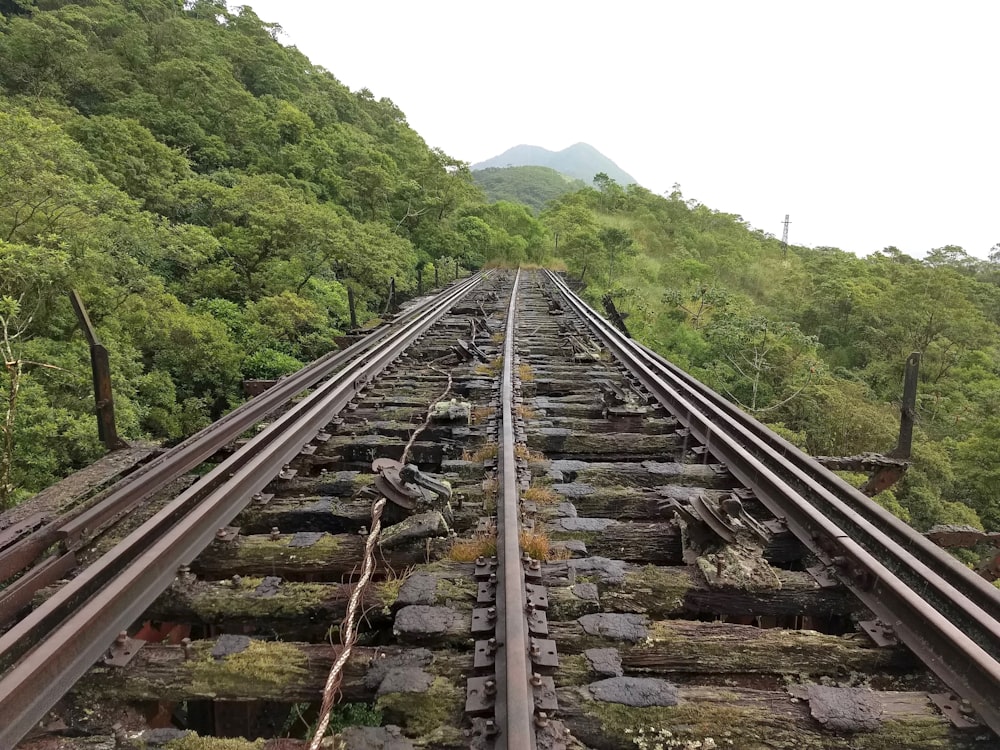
533 186
581 160
212 195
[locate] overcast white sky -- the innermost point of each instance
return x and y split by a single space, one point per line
871 123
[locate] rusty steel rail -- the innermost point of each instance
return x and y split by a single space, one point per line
515 702
51 648
165 468
945 616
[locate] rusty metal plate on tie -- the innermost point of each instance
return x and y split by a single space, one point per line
227 534
538 596
307 450
543 652
485 567
288 473
822 576
486 593
486 654
538 623
263 498
122 651
322 437
881 633
484 619
957 711
480 695
545 694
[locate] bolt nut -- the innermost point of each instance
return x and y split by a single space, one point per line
491 687
122 638
491 646
541 719
491 613
220 534
535 650
491 728
493 578
237 579
275 533
536 679
535 565
480 561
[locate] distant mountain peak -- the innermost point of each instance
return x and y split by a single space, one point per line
581 160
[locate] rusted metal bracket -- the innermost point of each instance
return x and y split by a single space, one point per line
959 712
881 633
123 650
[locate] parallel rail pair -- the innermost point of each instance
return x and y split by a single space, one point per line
948 616
52 647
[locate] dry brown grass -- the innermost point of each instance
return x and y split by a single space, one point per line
490 368
467 550
524 412
522 451
482 453
481 414
541 495
524 372
539 546
498 337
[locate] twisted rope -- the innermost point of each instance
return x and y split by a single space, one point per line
348 633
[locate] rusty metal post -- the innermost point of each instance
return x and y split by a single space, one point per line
352 308
420 281
908 410
101 369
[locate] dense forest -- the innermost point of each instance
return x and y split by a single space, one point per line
533 186
810 341
212 195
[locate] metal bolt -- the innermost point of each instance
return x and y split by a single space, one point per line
236 580
525 557
184 571
491 687
275 533
493 577
536 679
122 638
535 565
535 650
541 719
220 534
492 728
258 497
491 646
480 561
363 531
491 613
186 646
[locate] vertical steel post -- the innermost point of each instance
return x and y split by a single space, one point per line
100 366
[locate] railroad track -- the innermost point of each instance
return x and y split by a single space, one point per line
583 547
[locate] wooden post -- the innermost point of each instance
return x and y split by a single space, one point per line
908 410
352 308
101 369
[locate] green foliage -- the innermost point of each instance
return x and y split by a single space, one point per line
814 340
532 186
211 194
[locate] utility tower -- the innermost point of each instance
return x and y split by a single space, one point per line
784 237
